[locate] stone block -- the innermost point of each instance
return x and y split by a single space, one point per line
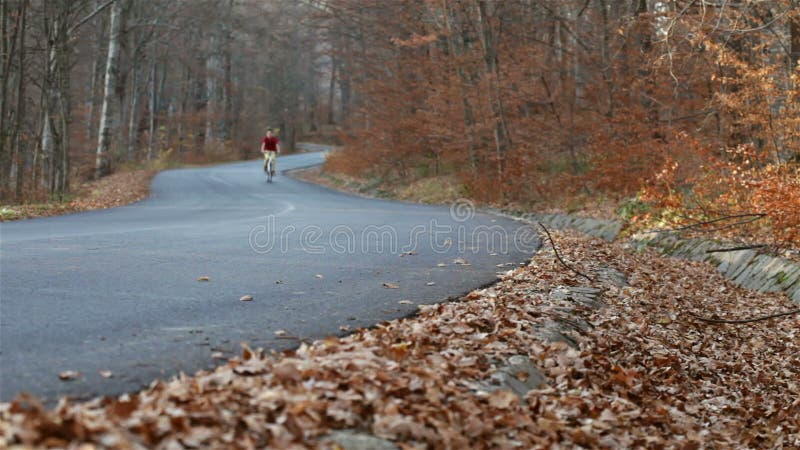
354 440
518 374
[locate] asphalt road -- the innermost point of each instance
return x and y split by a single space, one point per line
117 290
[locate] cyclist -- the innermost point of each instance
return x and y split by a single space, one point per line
270 147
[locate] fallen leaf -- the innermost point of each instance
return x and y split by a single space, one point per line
406 302
203 278
344 327
502 399
286 370
106 374
196 437
391 286
218 355
68 375
461 262
398 351
246 298
281 333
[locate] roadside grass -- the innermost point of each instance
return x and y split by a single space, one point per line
432 190
429 190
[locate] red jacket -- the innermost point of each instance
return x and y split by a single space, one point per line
269 143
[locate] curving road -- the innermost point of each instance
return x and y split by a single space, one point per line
117 290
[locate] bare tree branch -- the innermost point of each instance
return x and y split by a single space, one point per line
558 256
90 16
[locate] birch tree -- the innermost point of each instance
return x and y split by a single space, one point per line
102 162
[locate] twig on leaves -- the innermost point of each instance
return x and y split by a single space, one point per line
754 319
558 256
734 249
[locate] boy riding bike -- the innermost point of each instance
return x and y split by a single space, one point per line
270 147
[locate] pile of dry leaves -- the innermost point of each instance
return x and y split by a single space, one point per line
647 374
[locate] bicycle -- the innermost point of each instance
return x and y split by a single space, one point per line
269 165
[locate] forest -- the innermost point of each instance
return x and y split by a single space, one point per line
90 87
665 112
609 256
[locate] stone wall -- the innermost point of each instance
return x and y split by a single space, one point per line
603 229
747 268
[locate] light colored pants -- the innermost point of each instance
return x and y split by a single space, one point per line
271 155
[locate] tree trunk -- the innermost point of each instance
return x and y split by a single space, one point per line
487 39
227 102
56 110
133 122
19 159
8 50
227 97
186 88
102 163
332 91
345 88
794 31
96 65
212 79
151 146
463 85
606 59
5 55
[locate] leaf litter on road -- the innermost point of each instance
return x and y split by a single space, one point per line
68 375
629 382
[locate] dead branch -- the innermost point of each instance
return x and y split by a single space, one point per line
734 249
751 217
754 319
558 256
731 225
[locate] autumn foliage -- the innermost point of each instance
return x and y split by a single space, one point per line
688 108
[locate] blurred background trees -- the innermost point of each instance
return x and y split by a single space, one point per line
687 108
89 86
687 105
